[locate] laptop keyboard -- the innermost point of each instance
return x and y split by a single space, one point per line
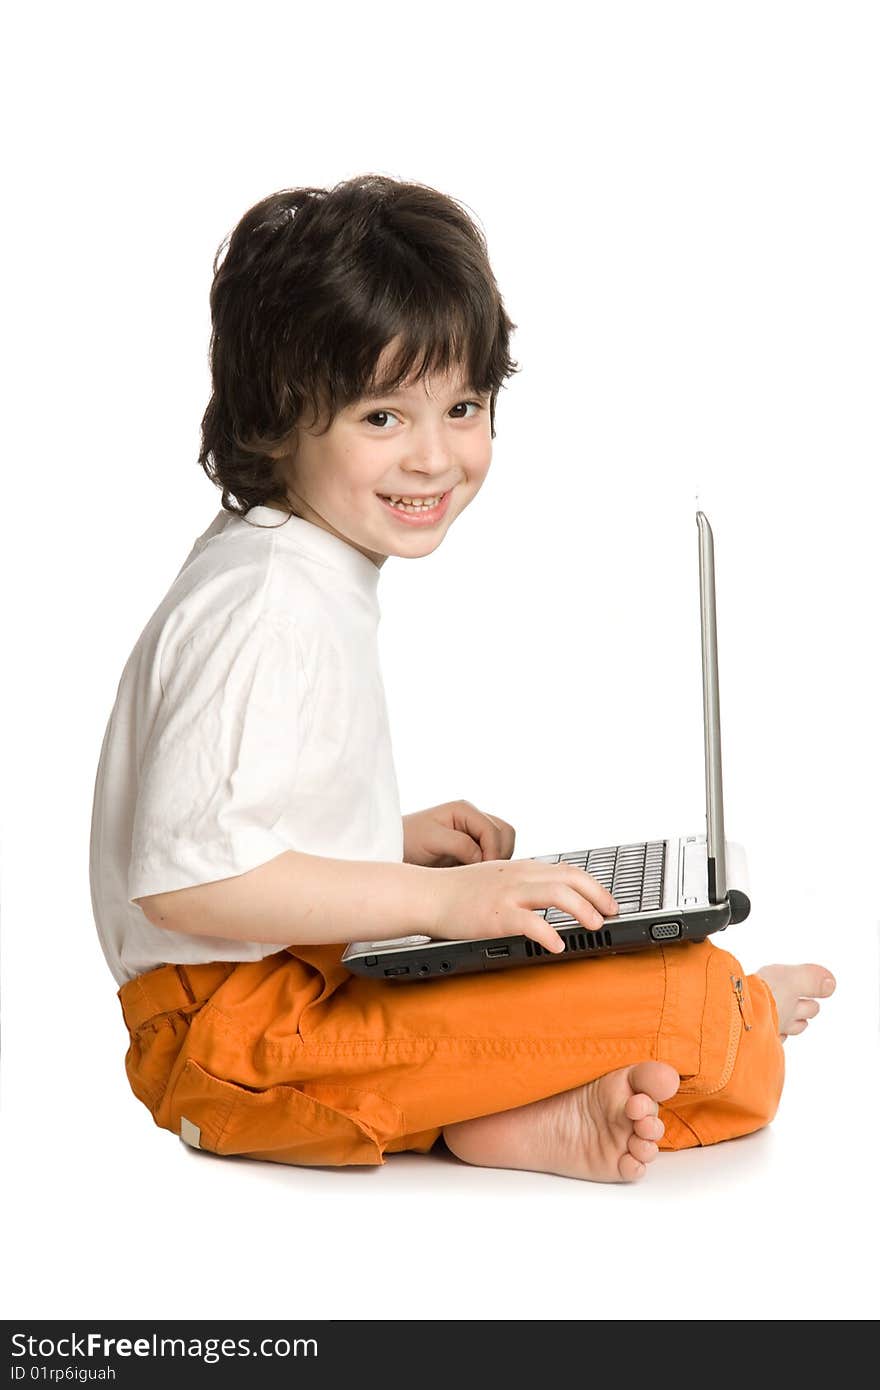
632 874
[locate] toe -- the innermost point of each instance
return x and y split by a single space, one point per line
806 1008
655 1079
642 1149
629 1168
649 1128
814 981
641 1107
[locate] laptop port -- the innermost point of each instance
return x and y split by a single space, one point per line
666 931
397 970
496 952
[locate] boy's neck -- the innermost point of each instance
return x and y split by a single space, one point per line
315 520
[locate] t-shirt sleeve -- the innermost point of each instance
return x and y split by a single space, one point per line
219 767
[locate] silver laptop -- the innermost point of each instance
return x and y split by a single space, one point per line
668 890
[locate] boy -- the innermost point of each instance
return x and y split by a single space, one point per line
246 823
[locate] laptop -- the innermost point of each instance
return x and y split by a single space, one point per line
670 890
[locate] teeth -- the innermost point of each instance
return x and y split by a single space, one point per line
419 503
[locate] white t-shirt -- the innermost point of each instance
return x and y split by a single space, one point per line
250 719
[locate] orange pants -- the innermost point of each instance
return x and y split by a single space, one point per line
295 1060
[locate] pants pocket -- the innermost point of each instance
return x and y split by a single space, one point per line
741 1073
149 1061
279 1123
721 1027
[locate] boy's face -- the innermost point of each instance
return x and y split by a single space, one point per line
430 439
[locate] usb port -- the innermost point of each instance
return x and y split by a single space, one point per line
496 952
397 970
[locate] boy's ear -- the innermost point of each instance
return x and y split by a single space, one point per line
285 449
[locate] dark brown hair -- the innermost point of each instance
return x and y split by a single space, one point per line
314 285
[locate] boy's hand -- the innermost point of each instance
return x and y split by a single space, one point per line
496 898
455 833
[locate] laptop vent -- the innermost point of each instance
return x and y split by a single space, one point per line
575 941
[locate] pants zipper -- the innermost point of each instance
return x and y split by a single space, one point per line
740 999
738 1022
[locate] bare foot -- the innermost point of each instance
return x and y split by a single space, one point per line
795 988
605 1131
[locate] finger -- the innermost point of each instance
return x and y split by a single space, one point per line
559 895
480 827
507 835
533 925
591 888
453 845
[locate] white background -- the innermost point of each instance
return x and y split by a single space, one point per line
681 207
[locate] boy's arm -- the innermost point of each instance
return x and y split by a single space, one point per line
302 898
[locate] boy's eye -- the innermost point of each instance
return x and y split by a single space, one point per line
386 413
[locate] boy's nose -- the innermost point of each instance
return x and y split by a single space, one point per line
427 482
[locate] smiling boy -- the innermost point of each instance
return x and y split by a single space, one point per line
246 823
359 472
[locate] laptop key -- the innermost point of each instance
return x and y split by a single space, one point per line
557 917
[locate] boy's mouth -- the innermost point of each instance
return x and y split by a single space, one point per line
419 509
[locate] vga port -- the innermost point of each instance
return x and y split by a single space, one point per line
666 931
